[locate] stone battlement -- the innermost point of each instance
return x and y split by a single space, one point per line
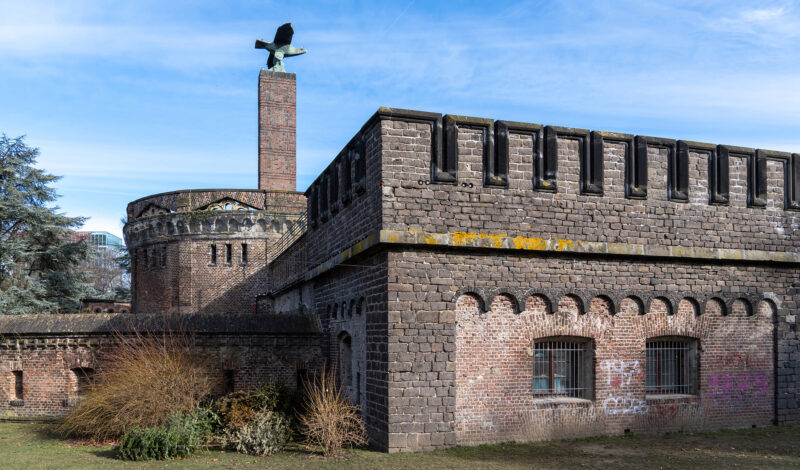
488 179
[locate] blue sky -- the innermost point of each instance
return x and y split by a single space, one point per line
127 99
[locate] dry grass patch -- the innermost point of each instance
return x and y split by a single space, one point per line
330 420
143 379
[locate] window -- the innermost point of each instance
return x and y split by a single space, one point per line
17 384
345 361
163 256
244 253
213 254
144 255
670 366
563 368
228 253
228 381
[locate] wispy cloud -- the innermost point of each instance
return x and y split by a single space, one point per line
147 94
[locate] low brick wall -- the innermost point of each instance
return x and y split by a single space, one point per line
49 352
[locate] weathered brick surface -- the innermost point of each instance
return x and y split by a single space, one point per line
352 301
356 219
458 375
566 214
171 266
47 352
277 141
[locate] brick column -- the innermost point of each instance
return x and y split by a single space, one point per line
277 140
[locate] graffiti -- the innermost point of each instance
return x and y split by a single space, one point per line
625 406
727 387
740 361
619 373
664 412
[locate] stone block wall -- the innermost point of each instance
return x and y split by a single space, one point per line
414 202
341 217
351 302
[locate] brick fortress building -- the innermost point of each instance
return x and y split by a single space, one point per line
472 280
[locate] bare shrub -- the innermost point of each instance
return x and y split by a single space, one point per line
330 420
143 380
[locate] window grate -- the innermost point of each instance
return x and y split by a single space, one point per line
558 369
668 369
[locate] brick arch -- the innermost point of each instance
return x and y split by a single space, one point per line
693 303
664 300
636 300
744 302
767 307
579 302
603 303
501 298
546 297
716 305
515 303
544 301
474 293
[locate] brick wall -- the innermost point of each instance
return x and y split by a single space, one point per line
170 238
277 141
261 352
458 375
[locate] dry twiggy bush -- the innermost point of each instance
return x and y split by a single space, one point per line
330 420
143 379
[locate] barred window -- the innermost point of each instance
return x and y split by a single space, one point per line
671 366
228 253
244 253
563 368
213 254
163 255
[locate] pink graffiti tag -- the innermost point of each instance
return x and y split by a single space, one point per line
723 385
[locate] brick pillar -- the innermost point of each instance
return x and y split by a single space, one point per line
277 140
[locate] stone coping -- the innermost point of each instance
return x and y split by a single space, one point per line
81 323
492 241
558 245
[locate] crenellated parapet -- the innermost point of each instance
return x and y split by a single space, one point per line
205 251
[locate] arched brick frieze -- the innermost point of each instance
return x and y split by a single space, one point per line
493 294
478 294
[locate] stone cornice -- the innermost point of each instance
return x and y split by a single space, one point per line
175 226
489 241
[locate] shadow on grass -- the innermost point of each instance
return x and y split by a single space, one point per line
107 454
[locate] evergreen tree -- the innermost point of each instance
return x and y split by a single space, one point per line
38 254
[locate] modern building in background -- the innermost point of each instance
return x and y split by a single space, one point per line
101 240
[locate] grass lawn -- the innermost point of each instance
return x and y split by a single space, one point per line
31 446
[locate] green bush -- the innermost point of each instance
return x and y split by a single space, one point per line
238 409
180 436
266 434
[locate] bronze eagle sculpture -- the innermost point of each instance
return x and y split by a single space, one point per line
280 47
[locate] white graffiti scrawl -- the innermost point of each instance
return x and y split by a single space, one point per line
619 373
625 406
